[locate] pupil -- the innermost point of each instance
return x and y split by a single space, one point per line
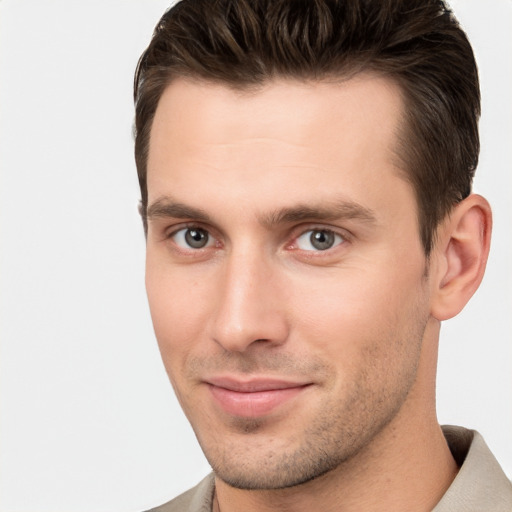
196 238
322 240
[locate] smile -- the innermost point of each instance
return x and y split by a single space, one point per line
254 398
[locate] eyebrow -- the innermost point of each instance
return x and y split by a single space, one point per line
166 207
326 211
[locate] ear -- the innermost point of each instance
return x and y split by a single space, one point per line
460 254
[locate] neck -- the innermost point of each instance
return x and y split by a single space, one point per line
407 467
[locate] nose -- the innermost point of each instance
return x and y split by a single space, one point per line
250 308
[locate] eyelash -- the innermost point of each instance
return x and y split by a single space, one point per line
190 227
342 236
337 240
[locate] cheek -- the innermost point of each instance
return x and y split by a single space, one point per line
179 305
370 331
348 309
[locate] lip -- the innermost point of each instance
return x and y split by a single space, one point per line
255 397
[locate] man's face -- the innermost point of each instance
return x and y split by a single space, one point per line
285 274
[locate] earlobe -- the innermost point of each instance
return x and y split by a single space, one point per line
461 251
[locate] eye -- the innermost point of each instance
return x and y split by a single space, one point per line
192 238
318 240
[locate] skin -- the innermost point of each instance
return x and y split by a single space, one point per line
355 325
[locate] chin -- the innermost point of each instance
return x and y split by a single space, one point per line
282 476
246 466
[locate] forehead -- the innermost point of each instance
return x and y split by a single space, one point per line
286 108
300 137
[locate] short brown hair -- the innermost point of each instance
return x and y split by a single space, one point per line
416 43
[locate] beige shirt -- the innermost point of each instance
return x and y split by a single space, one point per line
480 485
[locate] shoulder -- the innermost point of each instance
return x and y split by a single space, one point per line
480 484
197 499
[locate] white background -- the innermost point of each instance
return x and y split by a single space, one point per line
88 420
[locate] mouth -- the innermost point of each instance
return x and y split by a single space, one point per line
253 398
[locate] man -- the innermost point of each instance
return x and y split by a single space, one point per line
305 170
